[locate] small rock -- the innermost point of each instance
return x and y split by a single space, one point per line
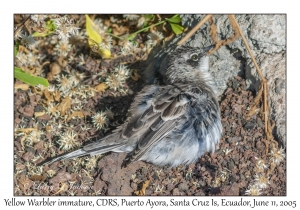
176 192
249 125
232 139
60 177
260 123
228 129
29 111
235 85
17 120
155 176
134 186
39 146
45 117
39 108
28 156
202 183
200 193
19 166
232 179
214 191
99 185
170 186
183 186
125 189
232 190
25 183
18 145
230 164
237 108
118 178
30 149
260 146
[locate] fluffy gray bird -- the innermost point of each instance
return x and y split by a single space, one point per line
168 125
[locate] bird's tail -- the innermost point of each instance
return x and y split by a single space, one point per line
76 153
106 144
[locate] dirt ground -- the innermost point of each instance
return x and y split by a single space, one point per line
229 171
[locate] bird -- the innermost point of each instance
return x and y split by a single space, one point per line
171 124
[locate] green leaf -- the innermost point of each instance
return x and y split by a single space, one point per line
149 17
131 36
50 28
28 78
174 19
177 29
174 22
16 48
50 25
38 34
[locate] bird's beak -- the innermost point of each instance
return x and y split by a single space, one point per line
206 49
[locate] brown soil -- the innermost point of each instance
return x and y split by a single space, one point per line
229 171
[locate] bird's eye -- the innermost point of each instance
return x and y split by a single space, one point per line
194 57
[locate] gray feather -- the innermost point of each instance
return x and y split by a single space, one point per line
77 153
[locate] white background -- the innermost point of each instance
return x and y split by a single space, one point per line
153 7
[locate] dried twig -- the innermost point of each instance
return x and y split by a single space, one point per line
253 109
22 24
214 34
143 190
266 110
61 189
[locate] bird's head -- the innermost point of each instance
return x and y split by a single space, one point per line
188 64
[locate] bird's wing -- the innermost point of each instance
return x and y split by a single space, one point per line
158 120
116 140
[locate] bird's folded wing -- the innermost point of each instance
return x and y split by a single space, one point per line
157 121
106 144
